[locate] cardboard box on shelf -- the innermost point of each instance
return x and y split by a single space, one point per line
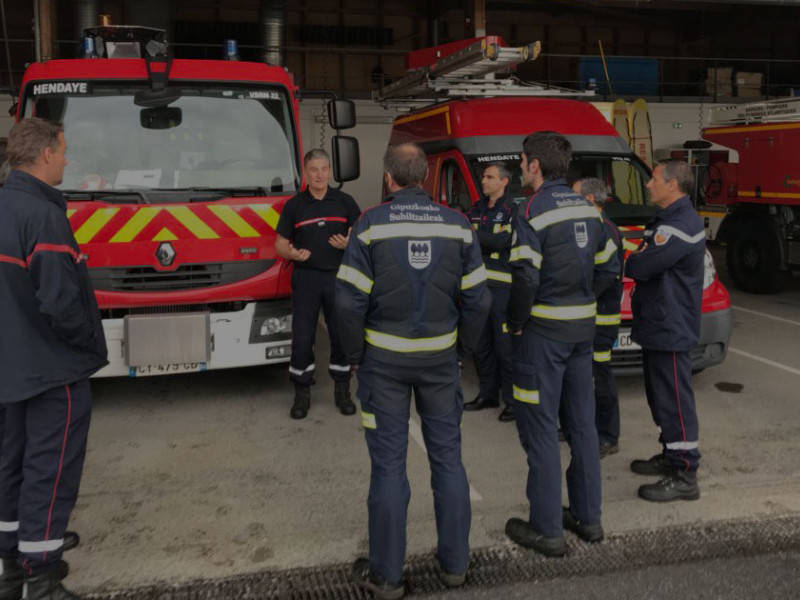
748 85
718 81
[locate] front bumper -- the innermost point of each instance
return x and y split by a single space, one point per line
711 349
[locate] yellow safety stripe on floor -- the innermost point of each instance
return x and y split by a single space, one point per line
415 230
267 213
527 396
192 222
606 253
140 219
474 278
400 344
94 224
564 313
356 278
232 219
498 276
368 420
559 215
608 319
602 356
526 253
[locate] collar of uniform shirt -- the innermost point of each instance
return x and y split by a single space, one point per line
680 203
310 197
19 180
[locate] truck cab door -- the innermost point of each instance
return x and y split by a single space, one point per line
456 187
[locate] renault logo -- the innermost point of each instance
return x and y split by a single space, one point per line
165 254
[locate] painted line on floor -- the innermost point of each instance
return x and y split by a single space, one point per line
765 315
766 361
415 431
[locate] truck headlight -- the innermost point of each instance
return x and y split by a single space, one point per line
273 325
709 271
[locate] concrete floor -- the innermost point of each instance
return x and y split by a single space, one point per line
205 475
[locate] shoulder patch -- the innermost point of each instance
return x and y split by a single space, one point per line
661 237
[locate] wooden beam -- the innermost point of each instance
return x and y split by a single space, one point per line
47 22
479 18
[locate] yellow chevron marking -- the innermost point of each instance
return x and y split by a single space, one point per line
192 222
266 212
94 224
630 245
134 226
232 219
165 235
70 212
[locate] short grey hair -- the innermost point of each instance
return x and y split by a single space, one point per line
680 171
594 186
315 154
406 163
502 169
28 139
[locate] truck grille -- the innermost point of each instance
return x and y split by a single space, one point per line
186 277
623 359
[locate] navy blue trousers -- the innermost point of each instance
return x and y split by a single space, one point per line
605 394
493 361
547 374
668 385
384 392
312 289
41 463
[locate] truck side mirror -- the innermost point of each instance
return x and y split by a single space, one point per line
342 114
346 161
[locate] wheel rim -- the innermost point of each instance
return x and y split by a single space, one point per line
750 258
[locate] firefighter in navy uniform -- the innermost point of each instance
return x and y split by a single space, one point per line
607 322
561 260
312 232
51 342
668 270
411 283
491 219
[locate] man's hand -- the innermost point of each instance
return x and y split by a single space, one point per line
339 241
299 255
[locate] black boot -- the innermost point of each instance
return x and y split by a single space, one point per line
47 586
341 395
681 485
302 401
10 579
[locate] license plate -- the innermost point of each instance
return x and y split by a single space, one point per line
624 342
169 369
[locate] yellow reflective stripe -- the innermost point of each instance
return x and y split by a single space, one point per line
192 222
602 356
498 276
368 420
400 344
415 230
564 313
608 319
527 396
94 224
499 228
526 253
134 226
474 278
70 212
355 277
605 254
232 219
165 235
504 328
633 247
475 226
267 213
559 215
494 255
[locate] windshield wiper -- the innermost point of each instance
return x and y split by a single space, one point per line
228 191
118 195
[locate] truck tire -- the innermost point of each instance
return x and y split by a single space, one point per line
753 259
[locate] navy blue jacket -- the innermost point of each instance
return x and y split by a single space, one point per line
561 260
668 270
493 227
411 283
50 328
608 303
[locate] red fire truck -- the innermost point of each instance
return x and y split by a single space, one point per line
479 120
178 171
761 192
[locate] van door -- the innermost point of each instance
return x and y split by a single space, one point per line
456 186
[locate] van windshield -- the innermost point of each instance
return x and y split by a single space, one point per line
212 136
628 200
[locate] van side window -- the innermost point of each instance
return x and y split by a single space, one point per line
453 187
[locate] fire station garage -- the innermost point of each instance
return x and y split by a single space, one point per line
186 125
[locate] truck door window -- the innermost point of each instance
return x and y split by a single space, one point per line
453 189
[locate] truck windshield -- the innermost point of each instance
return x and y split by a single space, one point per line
625 177
220 137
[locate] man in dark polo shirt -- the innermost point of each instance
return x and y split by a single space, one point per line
313 232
